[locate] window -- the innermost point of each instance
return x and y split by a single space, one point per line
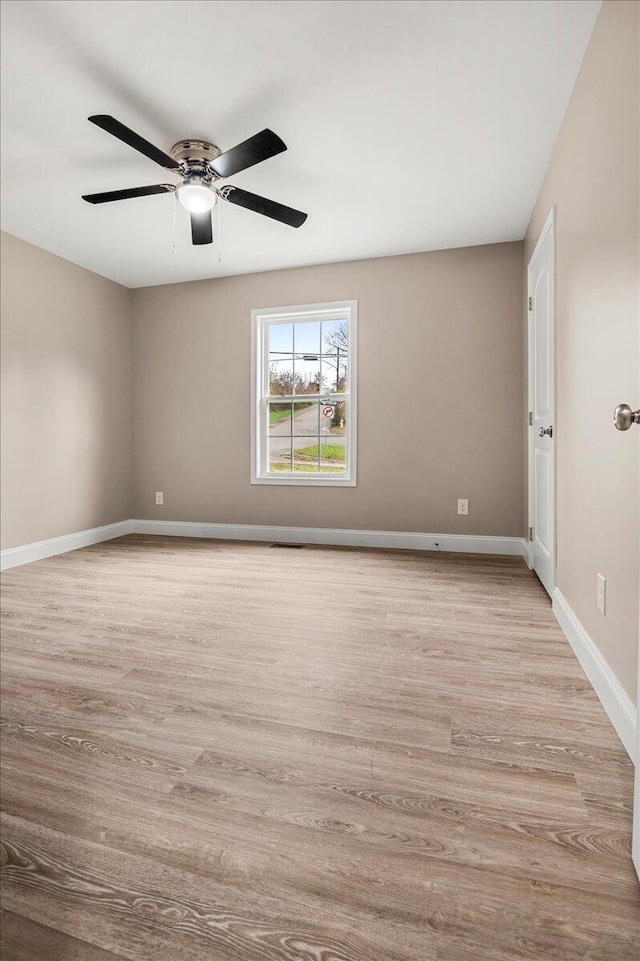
304 395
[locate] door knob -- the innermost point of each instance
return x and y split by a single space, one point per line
545 430
624 417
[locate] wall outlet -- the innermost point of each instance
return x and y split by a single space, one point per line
463 506
159 497
602 594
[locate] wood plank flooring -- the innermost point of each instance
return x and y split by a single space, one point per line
228 752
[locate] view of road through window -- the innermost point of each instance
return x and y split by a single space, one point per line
308 360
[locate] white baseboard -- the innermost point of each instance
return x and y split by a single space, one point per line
614 699
403 540
465 543
15 556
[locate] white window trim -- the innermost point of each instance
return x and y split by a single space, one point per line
260 319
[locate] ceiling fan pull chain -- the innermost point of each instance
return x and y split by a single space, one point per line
219 233
173 248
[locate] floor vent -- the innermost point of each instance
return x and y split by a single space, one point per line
293 546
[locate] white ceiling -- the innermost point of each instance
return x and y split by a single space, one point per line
410 125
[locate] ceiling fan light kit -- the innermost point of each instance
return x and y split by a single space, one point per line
196 197
201 165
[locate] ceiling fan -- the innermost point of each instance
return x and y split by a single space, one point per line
200 165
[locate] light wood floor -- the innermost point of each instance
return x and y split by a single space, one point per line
234 752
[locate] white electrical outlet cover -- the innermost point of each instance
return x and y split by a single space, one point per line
601 599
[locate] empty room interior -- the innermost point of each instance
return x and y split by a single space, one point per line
320 480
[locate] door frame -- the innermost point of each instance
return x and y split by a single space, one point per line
549 228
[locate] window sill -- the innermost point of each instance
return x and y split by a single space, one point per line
315 480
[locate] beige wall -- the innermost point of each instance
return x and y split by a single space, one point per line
66 397
593 179
440 349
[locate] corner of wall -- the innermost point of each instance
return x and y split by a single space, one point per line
130 311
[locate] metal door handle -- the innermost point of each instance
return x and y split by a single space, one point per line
624 417
545 430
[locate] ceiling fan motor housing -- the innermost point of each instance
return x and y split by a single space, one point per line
194 157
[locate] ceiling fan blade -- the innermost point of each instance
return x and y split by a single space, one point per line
201 228
269 208
252 151
117 129
109 195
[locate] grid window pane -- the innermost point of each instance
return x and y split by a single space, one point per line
305 418
307 379
333 417
305 455
280 341
281 376
279 420
335 355
307 339
333 456
280 455
319 454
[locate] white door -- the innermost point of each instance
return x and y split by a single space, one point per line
541 278
624 418
635 843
